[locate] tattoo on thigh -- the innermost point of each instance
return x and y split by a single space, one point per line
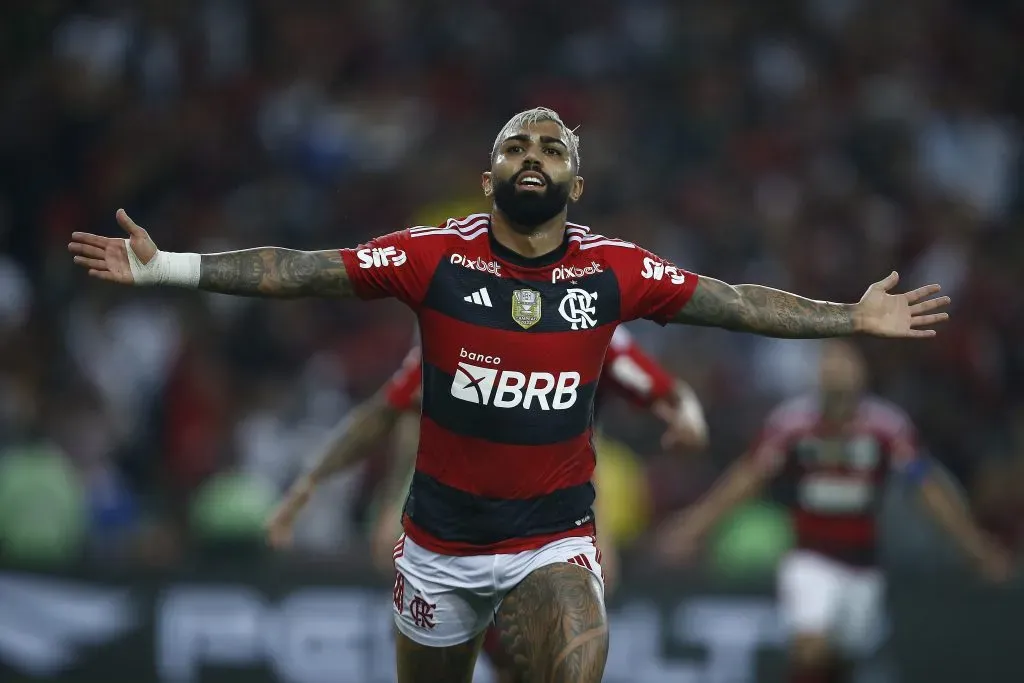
553 626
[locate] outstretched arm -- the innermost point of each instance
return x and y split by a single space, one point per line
945 507
352 439
347 445
275 272
265 271
394 489
774 313
684 532
633 373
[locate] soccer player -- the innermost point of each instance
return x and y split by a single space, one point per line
628 371
516 309
834 452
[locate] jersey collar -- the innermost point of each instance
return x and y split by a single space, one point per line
516 259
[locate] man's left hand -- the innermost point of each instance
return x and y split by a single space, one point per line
881 314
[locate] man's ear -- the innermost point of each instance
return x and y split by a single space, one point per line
577 189
487 184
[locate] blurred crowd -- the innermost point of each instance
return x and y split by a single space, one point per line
811 145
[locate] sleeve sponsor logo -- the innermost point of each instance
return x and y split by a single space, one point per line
381 257
657 270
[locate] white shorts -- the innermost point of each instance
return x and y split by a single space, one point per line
821 596
443 600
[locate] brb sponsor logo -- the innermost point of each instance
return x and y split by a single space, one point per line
379 257
509 388
492 267
573 272
657 270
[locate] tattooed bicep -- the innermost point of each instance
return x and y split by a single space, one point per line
329 274
713 303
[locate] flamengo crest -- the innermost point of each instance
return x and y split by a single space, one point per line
526 307
578 308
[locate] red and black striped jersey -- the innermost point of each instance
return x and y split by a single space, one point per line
512 352
628 371
833 476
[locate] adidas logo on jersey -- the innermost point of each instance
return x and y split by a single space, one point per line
480 297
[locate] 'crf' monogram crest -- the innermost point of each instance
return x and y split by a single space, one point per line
422 613
526 307
578 308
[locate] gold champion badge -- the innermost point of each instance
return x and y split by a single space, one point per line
526 307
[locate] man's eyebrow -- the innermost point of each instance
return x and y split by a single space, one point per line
546 139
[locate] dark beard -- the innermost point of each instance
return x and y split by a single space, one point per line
530 209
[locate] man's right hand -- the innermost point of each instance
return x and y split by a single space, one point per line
106 258
281 523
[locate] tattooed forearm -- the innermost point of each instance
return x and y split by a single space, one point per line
275 272
765 311
553 627
351 440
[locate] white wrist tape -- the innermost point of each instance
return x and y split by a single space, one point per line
165 268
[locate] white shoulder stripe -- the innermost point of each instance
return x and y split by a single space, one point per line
451 224
467 222
607 243
459 233
577 226
591 238
591 241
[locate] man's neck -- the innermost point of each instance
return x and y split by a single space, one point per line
532 242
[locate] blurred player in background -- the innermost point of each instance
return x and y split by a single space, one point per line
500 523
628 372
833 453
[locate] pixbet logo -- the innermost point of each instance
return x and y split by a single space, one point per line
509 389
573 272
378 257
492 267
656 270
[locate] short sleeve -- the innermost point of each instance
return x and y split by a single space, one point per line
402 391
394 265
652 287
631 372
